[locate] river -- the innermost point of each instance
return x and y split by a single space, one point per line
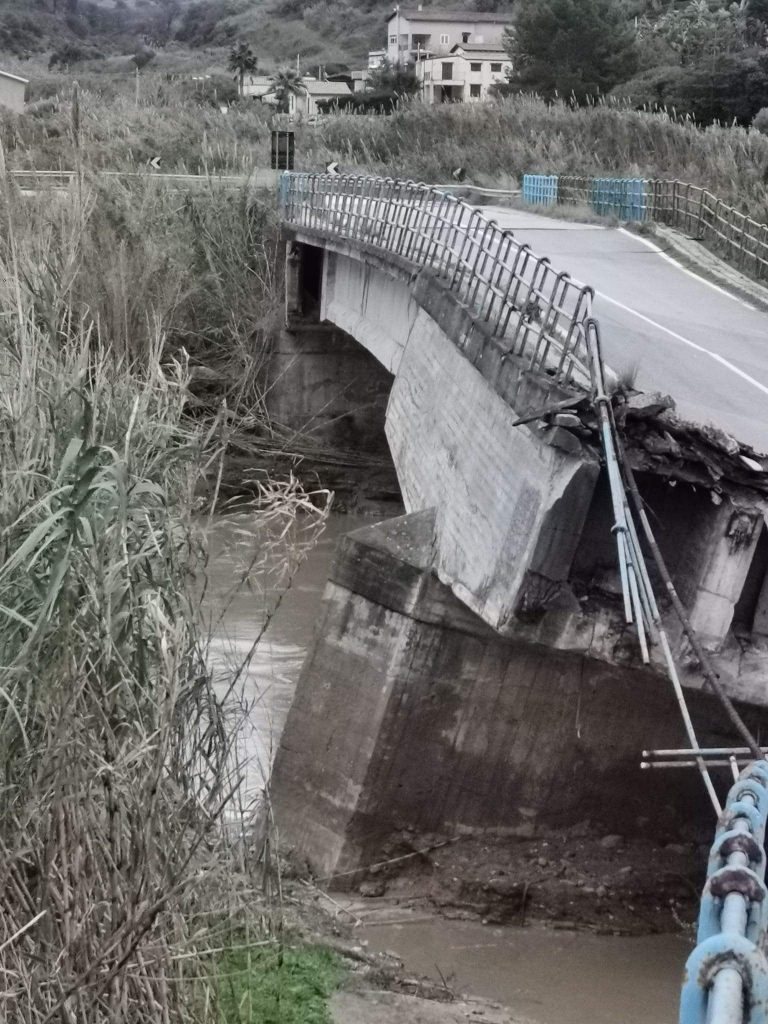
547 975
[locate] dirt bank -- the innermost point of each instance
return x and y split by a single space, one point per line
571 878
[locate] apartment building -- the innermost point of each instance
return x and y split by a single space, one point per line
463 75
413 34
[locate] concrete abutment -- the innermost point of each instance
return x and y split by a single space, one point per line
412 714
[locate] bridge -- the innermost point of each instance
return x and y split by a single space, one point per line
473 667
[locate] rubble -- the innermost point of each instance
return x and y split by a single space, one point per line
659 441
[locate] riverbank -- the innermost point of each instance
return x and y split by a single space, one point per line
576 878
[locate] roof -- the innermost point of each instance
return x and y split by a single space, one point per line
473 17
16 78
478 48
327 88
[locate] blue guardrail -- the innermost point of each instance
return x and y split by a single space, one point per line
625 198
540 189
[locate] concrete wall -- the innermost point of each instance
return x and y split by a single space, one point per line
506 503
411 713
328 388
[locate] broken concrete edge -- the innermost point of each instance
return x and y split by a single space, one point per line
657 440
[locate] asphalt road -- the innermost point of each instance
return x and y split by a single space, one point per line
685 336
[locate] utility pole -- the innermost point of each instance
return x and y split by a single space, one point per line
397 30
137 86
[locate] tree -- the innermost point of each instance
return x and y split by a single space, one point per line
287 82
395 81
243 61
578 48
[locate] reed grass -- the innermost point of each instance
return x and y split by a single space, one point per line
120 866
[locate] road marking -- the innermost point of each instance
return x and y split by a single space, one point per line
686 341
691 273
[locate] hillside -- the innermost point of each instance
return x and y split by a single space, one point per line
278 30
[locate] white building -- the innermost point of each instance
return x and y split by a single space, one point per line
465 74
13 91
376 58
259 87
414 33
304 104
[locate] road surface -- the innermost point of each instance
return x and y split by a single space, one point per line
685 336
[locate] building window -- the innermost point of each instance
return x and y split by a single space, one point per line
447 71
444 39
474 91
465 37
427 76
495 68
475 66
393 39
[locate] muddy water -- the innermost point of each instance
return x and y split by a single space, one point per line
547 976
237 615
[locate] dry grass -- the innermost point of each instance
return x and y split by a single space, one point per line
497 143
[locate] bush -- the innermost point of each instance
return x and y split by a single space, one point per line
760 121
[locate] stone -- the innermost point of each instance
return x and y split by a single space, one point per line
602 892
611 842
676 848
567 419
646 406
559 437
372 889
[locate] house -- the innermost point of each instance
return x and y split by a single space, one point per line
465 74
13 91
304 104
414 33
376 58
259 87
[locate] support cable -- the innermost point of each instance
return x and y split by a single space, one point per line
634 574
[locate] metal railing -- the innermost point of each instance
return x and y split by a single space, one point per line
730 234
726 976
538 313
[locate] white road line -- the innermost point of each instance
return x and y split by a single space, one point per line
691 273
686 341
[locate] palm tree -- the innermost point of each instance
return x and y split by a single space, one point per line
286 83
243 61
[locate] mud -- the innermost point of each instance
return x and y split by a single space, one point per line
572 878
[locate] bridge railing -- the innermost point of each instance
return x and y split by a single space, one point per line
540 313
736 237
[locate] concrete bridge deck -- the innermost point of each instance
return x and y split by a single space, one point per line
683 334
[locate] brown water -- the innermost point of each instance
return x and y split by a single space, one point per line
268 681
547 976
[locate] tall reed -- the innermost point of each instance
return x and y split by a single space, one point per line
119 756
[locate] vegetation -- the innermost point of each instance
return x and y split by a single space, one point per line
498 142
275 985
286 83
570 48
119 754
243 61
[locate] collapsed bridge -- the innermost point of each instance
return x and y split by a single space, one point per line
473 667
